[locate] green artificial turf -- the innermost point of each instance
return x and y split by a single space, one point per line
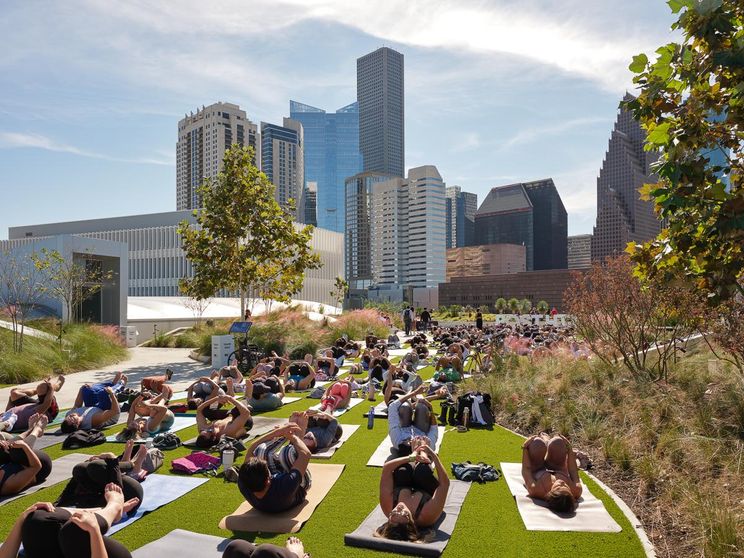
489 523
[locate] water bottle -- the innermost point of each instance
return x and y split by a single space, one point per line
228 458
466 417
371 418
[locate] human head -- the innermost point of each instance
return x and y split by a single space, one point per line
399 526
254 474
207 439
560 498
71 423
310 442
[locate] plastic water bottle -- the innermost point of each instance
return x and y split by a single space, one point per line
371 418
466 417
228 458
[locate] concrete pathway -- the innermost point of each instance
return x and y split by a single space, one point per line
29 331
142 362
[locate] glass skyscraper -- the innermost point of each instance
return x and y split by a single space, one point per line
331 144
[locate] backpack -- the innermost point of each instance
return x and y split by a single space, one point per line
153 461
166 441
467 400
83 439
197 462
479 472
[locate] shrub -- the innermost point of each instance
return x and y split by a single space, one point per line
356 325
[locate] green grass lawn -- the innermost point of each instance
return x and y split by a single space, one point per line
489 524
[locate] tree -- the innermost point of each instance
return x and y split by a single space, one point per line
69 281
525 305
483 309
543 307
724 332
340 288
21 288
513 305
501 305
197 307
692 105
469 310
243 240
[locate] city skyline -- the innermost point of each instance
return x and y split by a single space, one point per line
78 121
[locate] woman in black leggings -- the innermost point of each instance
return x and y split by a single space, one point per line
245 549
49 532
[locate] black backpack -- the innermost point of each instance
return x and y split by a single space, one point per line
83 439
475 472
466 401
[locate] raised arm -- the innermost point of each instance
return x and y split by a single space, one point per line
573 472
527 476
386 483
112 412
280 432
303 454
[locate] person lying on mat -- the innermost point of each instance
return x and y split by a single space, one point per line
36 425
244 549
24 403
264 392
273 478
95 407
411 496
202 390
22 466
321 429
408 420
154 384
235 424
550 471
299 376
230 379
336 396
46 530
147 418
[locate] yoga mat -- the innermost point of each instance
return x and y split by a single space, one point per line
178 395
180 423
380 410
246 518
438 534
261 425
590 515
159 490
184 544
348 430
61 471
385 450
338 412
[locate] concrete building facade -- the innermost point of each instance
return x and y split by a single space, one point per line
380 94
622 216
203 138
408 235
156 261
283 163
579 251
461 208
491 259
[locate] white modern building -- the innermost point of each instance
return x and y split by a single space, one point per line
156 261
203 138
408 229
579 251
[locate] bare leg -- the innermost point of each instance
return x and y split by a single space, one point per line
557 454
37 423
139 459
536 451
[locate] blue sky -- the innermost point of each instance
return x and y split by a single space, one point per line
496 91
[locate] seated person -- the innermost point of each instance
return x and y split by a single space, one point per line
299 376
264 393
410 495
236 424
550 472
321 430
230 379
46 531
24 403
148 418
155 384
336 396
95 407
22 466
271 481
244 549
407 421
201 390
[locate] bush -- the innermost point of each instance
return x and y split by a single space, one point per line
356 325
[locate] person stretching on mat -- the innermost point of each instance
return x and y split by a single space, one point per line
147 418
299 376
24 403
244 549
550 471
275 481
155 384
22 466
336 396
411 496
235 424
46 530
321 430
202 390
96 406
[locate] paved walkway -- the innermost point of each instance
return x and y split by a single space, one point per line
29 331
142 362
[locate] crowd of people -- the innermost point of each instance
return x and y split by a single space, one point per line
274 476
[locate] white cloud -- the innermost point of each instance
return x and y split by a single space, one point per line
527 135
16 140
468 141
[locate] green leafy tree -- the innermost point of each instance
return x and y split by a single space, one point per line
483 309
340 288
513 305
691 103
243 240
543 307
501 305
525 305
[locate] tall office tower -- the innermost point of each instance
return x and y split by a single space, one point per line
310 204
380 95
408 235
202 140
282 162
622 216
332 155
358 251
528 213
579 251
461 208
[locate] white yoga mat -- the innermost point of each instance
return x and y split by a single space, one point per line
338 412
61 471
348 430
384 450
590 515
180 423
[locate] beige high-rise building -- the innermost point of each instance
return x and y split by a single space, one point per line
203 138
579 251
283 163
489 259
